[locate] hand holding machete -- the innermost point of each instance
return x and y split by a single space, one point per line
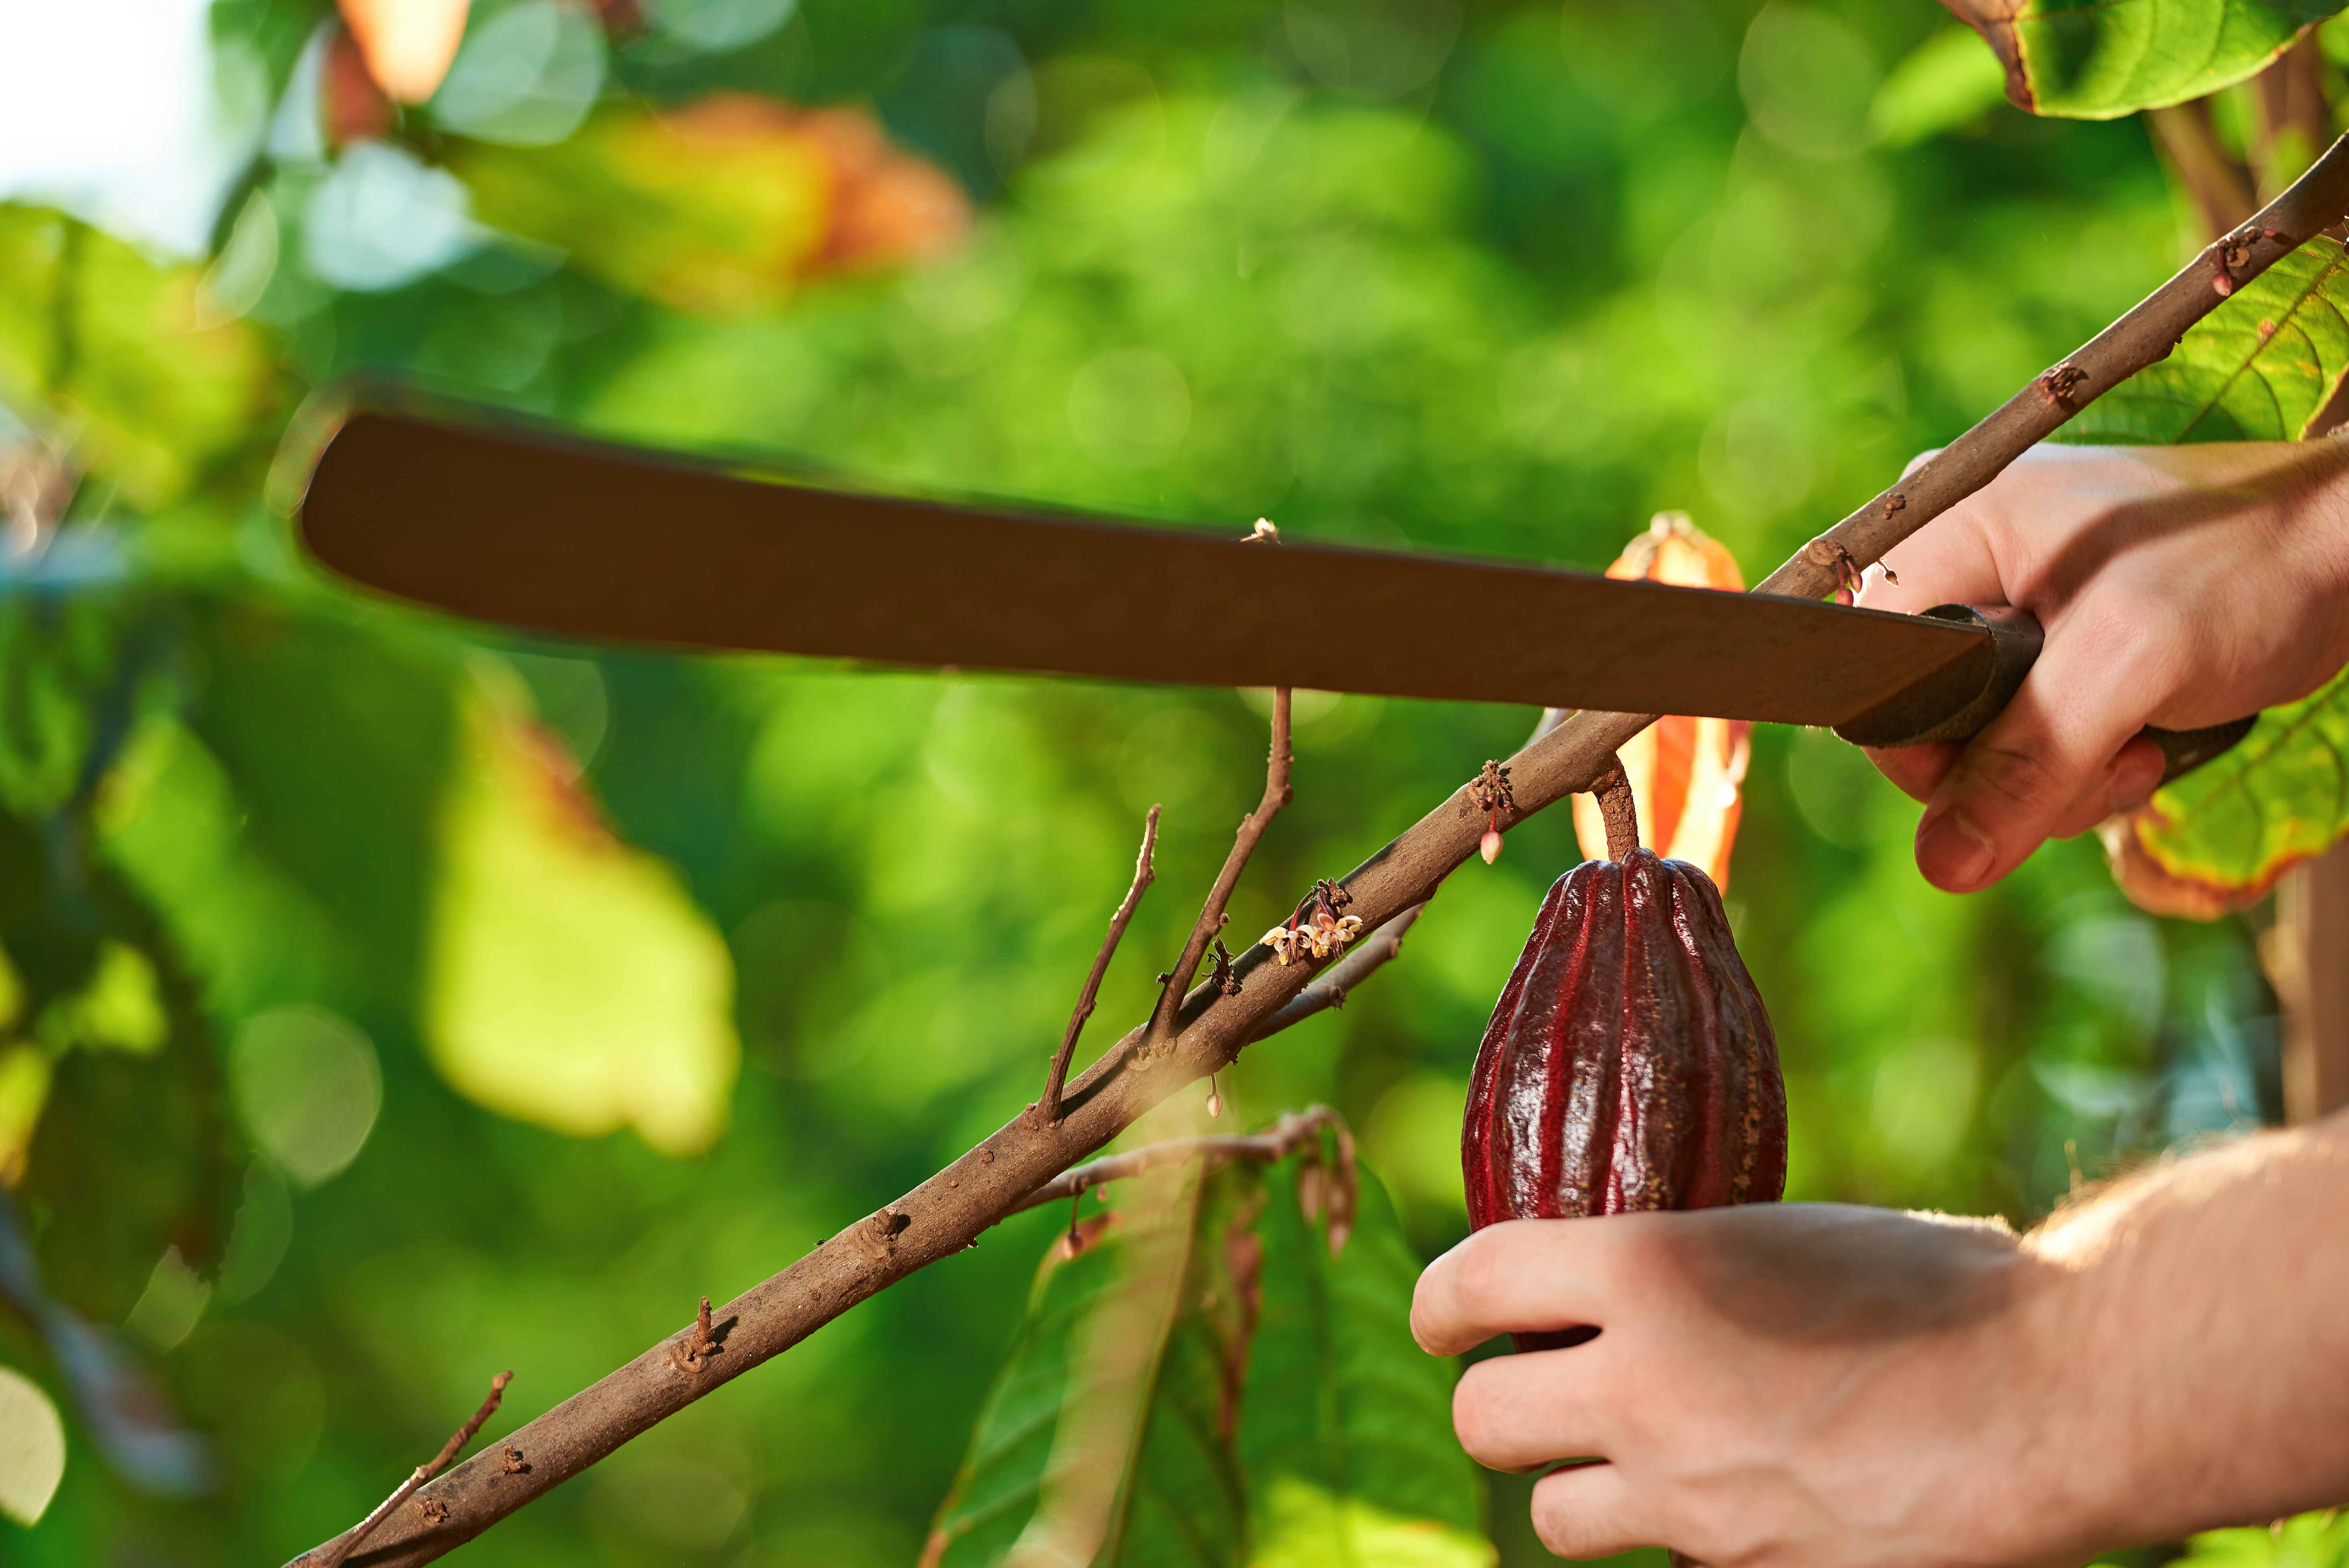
2177 585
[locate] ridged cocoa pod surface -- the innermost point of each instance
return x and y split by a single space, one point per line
1629 1064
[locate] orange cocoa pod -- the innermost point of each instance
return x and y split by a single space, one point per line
1685 772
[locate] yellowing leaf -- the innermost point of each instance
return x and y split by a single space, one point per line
571 982
1685 772
722 206
2221 837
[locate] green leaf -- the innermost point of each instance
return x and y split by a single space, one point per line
2100 60
2258 368
1105 1438
1205 1384
2240 821
1346 1424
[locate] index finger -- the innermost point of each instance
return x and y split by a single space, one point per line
1522 1276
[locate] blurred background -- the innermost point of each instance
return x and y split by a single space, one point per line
388 1001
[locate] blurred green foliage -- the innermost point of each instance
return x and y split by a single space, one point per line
1502 278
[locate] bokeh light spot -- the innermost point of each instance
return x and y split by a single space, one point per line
308 1086
31 1448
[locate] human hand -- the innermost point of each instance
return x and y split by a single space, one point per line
1774 1385
2179 586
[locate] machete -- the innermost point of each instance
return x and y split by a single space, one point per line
481 516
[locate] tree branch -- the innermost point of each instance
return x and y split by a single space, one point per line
1210 1027
2143 336
1048 1108
351 1540
1277 794
1292 1133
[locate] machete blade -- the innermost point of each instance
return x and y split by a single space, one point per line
498 522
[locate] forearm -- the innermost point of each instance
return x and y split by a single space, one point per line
2203 1305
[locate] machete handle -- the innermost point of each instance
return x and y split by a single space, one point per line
1958 704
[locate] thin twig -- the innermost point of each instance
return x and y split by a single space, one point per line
946 1213
1330 988
1047 1109
1292 1133
349 1543
1277 794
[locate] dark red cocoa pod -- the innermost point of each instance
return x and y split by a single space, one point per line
1629 1064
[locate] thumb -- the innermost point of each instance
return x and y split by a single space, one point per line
2059 759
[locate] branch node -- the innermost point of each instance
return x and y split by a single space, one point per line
875 1235
1491 795
1827 550
1227 983
699 1345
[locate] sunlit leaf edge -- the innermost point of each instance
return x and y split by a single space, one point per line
2286 333
2217 828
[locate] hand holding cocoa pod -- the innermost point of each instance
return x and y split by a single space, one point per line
1629 1064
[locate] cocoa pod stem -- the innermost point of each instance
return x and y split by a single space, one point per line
1614 792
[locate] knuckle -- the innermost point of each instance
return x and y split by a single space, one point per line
1480 1276
1472 1411
1644 1248
2020 776
1566 1528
